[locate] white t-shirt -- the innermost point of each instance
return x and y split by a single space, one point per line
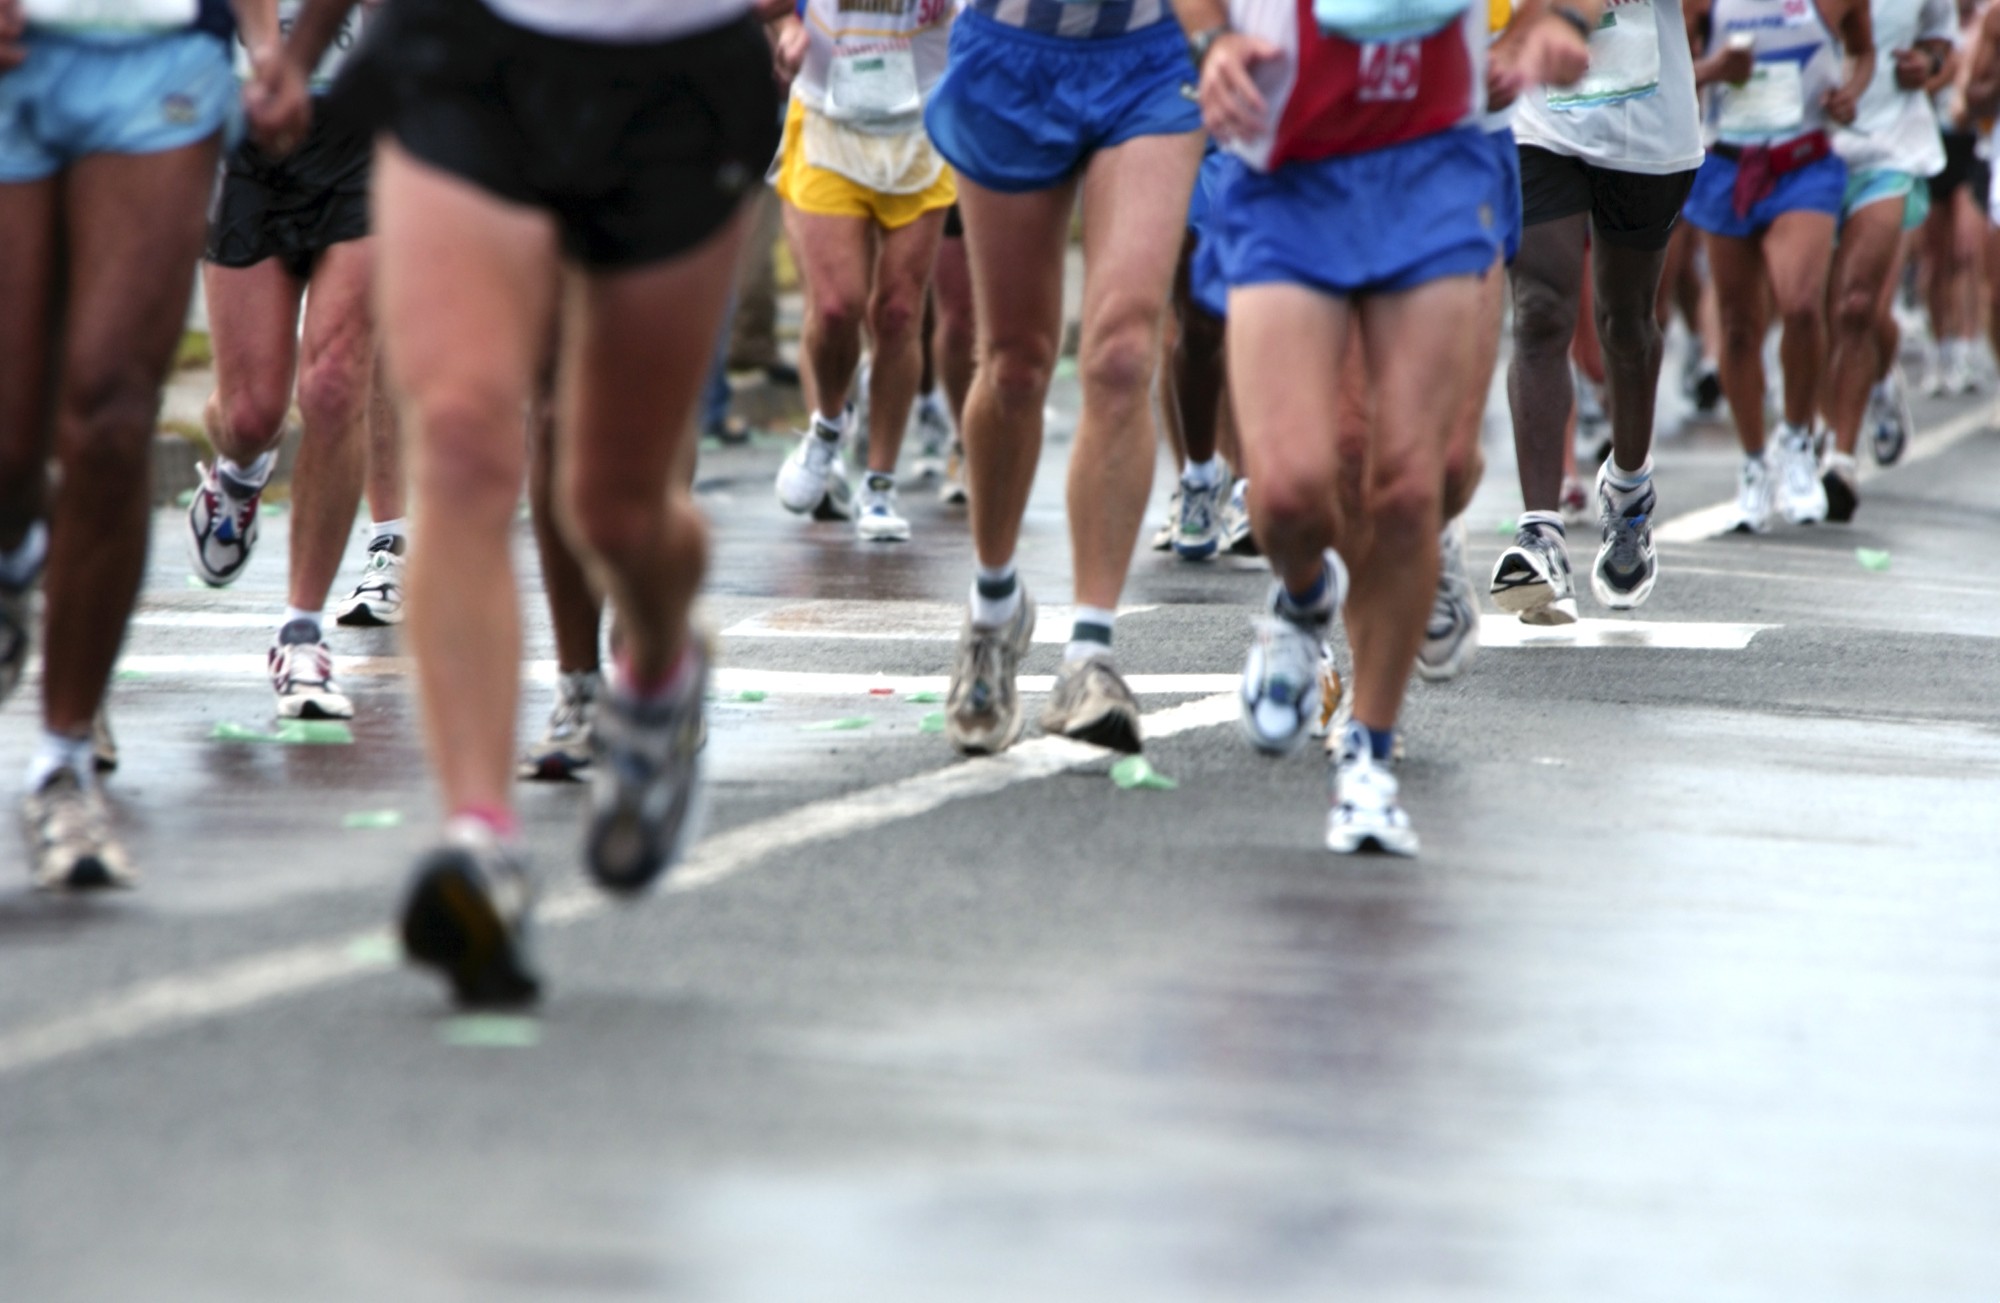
1896 128
1635 110
872 63
336 54
620 20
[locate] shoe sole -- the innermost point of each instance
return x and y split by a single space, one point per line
902 536
1116 729
313 709
364 617
1199 552
658 855
89 873
1841 501
553 769
448 924
1401 844
1451 666
1535 603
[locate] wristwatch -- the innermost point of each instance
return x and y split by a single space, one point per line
1198 43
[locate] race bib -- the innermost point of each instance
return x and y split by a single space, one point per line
877 89
1771 103
112 15
336 54
904 163
1624 59
1384 20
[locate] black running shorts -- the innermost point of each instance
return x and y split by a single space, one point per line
1962 167
1634 210
639 151
294 208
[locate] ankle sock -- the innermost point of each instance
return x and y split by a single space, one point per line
1378 743
251 478
830 428
1623 480
996 595
1204 474
1089 633
397 529
668 685
316 618
57 751
19 567
498 820
1549 522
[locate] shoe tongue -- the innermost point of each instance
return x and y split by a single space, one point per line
390 543
881 483
298 632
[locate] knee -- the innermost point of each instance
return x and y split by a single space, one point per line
1293 497
250 418
1741 336
332 393
1802 316
895 315
609 518
1542 320
1634 335
1855 314
1404 499
1017 371
470 452
837 314
107 424
1117 362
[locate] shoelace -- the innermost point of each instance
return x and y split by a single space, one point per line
288 659
1291 659
72 817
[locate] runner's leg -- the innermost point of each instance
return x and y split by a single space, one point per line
336 363
1548 285
903 260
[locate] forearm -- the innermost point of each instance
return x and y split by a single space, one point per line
258 21
319 21
1201 15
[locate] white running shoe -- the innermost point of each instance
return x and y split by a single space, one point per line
645 784
568 744
1280 693
1627 564
1198 523
1961 375
952 492
302 675
1890 422
1451 635
983 707
378 599
1364 812
222 526
1092 703
814 474
1236 535
1801 497
1573 502
1532 578
103 742
934 435
1754 497
70 844
1163 538
876 519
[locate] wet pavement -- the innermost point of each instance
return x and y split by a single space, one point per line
1695 992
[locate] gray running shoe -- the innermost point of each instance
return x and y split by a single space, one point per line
378 598
564 752
17 633
1198 530
103 745
1801 497
983 708
70 844
1627 564
1532 578
646 782
1163 537
1236 535
1092 704
468 914
1365 810
1451 635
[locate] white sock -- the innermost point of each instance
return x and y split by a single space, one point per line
1842 460
292 613
996 595
831 428
1203 474
57 751
1623 480
397 528
1090 633
256 475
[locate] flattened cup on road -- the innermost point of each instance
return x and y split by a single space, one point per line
1504 525
228 732
932 722
376 950
491 1031
293 732
1137 773
751 695
923 698
373 819
847 725
1871 558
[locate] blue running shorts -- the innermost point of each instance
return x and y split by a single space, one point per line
1818 187
74 97
1507 202
1205 284
1374 223
1019 111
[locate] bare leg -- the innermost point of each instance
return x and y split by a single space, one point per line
253 317
29 285
895 325
383 482
1548 291
336 366
1798 251
1627 284
1739 265
1863 278
574 609
836 262
953 344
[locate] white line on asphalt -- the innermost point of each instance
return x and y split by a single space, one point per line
889 621
168 1003
1707 522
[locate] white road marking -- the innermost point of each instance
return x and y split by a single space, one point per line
889 621
168 1003
1707 522
1506 632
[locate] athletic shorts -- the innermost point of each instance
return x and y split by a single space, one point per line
1206 285
639 151
1962 167
1509 213
827 193
71 98
1873 185
1633 210
294 208
1817 187
1376 223
1019 111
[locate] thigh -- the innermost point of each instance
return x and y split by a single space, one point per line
1867 252
906 255
1014 244
253 327
1798 254
1736 268
1285 347
834 254
466 286
1420 354
28 285
340 321
1547 274
1135 198
135 228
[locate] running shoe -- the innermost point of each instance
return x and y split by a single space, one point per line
1801 498
1451 635
1091 703
1198 523
1163 538
857 408
1334 706
952 492
1236 535
1708 389
103 744
70 844
1961 375
17 633
934 435
468 913
1364 812
1280 693
1593 427
814 478
983 707
1627 565
567 744
876 519
1754 494
222 526
301 667
1890 421
1843 489
378 598
1532 578
1573 502
645 781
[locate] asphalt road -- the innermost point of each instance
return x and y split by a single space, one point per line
1694 993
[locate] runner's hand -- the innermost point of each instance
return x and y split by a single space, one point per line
1734 65
788 49
1551 53
1841 103
277 102
13 26
1913 69
1232 108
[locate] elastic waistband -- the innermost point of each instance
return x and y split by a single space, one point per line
1168 29
1812 139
